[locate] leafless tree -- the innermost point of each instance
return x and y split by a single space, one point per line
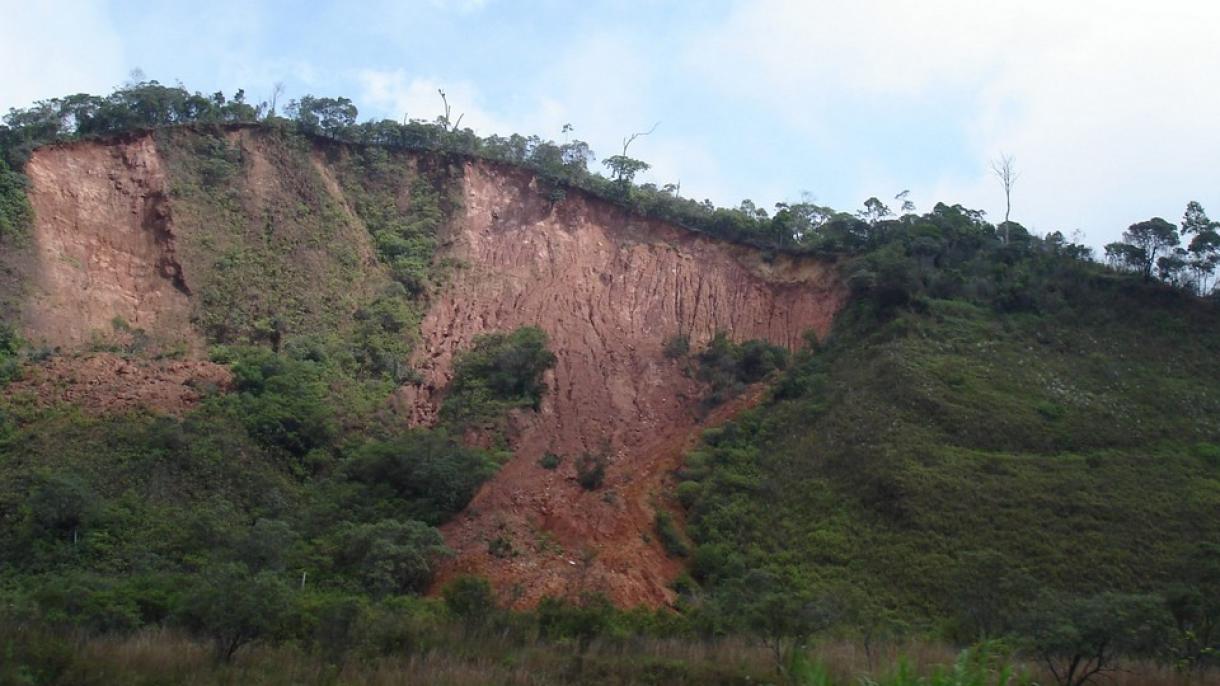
1005 169
445 101
276 91
631 139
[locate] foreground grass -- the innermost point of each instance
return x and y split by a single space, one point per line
160 656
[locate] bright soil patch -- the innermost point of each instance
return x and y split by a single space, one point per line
108 384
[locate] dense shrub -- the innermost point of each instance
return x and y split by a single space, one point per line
728 367
499 372
421 474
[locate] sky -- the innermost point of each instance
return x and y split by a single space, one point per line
1111 109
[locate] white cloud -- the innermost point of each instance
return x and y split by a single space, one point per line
1109 107
394 95
52 48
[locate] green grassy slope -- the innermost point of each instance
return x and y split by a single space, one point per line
951 446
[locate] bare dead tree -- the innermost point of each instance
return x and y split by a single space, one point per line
1005 170
445 101
276 91
631 139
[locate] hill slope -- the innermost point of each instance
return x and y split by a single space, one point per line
166 243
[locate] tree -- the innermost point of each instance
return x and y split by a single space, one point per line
1202 256
329 116
59 505
782 613
1081 638
424 475
987 593
444 120
276 91
1143 244
470 599
874 211
1005 170
624 169
234 607
501 371
582 621
1194 603
392 557
905 199
15 211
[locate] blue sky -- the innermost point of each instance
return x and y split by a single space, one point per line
1110 108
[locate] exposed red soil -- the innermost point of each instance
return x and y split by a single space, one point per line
609 289
108 384
104 246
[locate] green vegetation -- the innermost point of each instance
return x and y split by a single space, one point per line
15 211
1002 444
667 532
500 371
988 423
288 508
728 367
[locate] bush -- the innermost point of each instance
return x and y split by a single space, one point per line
591 470
15 211
728 367
667 532
233 607
391 556
500 371
282 401
550 461
470 599
420 474
1208 452
677 346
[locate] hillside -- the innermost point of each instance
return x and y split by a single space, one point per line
163 244
391 389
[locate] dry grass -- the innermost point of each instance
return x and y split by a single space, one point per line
156 657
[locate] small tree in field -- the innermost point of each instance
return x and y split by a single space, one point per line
470 599
234 608
1080 639
781 613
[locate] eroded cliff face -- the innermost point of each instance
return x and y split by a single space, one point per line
104 248
609 289
112 242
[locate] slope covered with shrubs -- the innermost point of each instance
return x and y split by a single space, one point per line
988 425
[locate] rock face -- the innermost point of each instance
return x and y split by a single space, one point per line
104 246
609 289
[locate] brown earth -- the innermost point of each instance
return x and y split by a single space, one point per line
609 289
109 258
103 247
109 384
